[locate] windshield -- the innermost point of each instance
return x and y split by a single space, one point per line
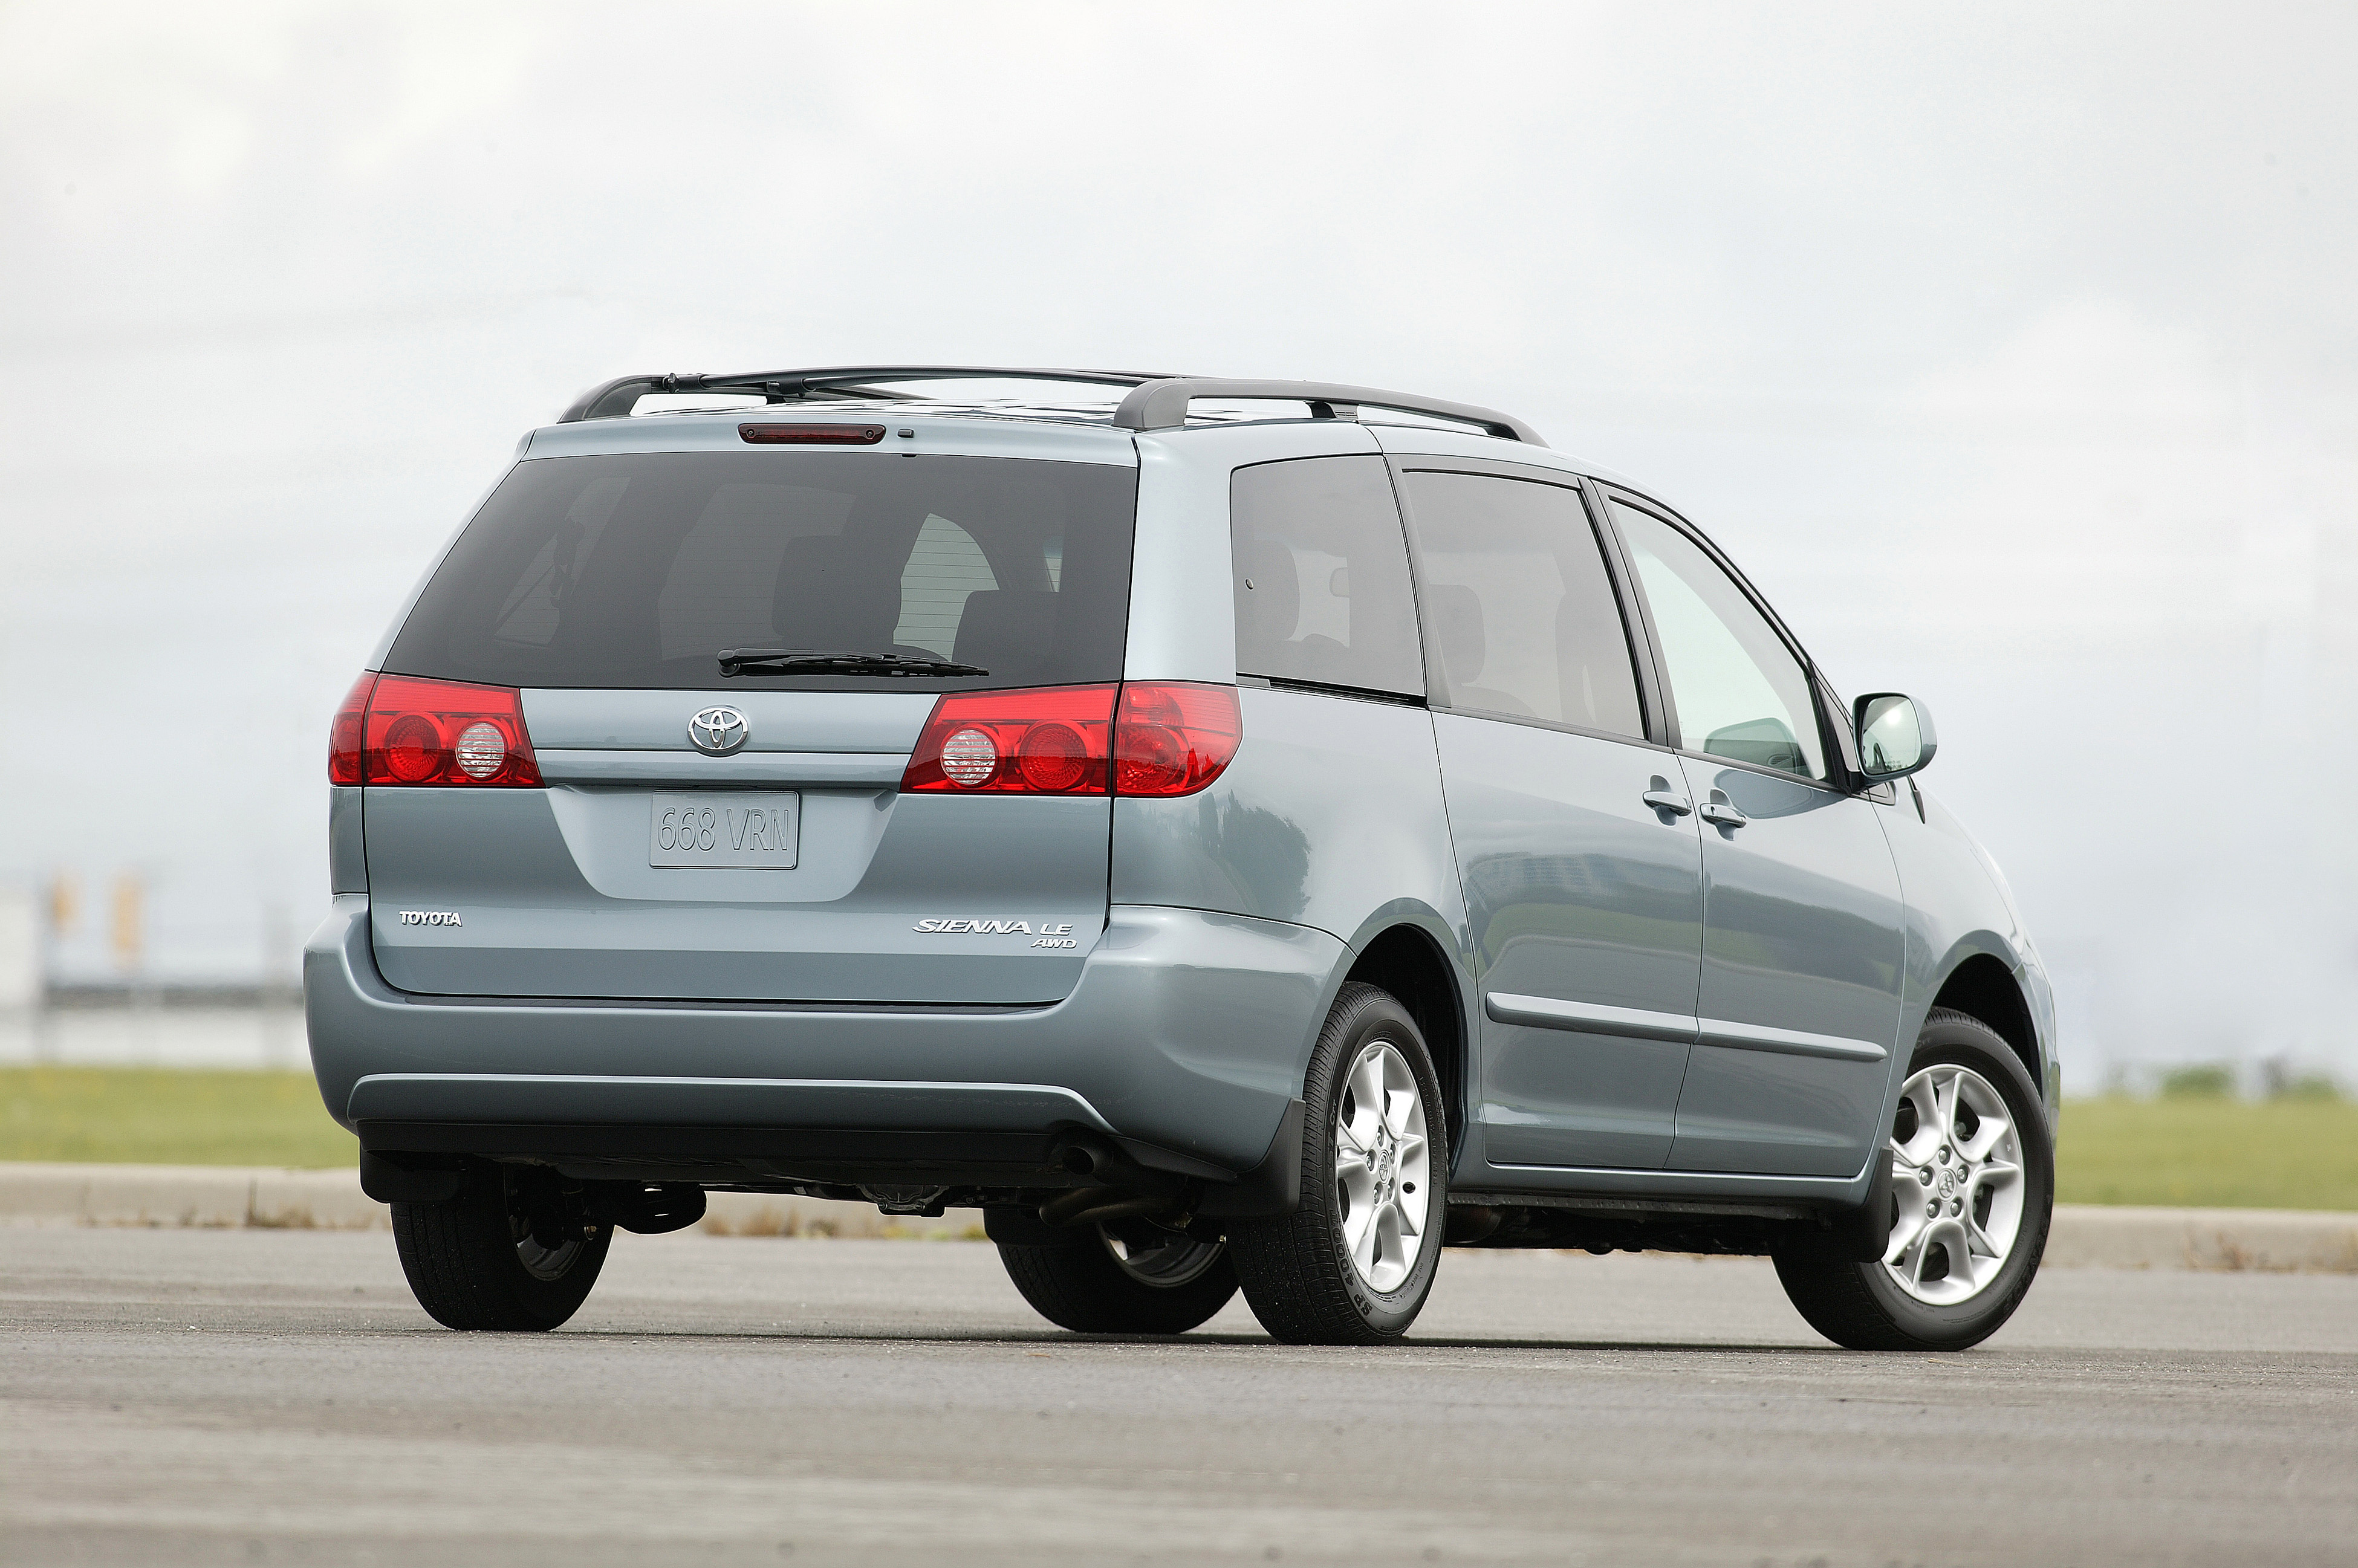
642 569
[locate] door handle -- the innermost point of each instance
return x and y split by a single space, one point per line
1722 813
1667 799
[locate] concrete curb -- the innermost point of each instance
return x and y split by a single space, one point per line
208 1196
266 1198
235 1198
2268 1241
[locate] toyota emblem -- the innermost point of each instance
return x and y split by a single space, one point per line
718 730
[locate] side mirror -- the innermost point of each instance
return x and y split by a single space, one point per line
1895 735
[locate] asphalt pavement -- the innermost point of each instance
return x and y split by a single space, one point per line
253 1396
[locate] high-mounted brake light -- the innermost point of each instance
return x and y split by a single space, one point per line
1145 738
811 435
401 730
1046 740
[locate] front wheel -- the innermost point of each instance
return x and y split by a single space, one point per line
1972 1183
1354 1263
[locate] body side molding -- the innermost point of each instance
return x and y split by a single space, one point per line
1548 1012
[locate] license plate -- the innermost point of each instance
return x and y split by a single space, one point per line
725 827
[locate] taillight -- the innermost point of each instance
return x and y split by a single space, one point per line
1155 737
1172 737
1051 740
345 731
439 732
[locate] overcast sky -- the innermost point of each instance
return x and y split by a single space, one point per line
2012 350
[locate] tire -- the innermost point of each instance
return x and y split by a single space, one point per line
1353 1264
1917 1297
511 1251
1127 1278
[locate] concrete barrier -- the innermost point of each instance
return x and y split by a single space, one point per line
2085 1235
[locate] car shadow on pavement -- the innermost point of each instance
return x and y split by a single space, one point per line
1056 1338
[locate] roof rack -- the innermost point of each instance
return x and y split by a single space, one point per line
1155 402
1161 405
617 397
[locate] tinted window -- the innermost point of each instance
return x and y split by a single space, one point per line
637 570
1322 582
1739 692
1523 615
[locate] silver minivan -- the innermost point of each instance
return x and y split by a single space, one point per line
1234 834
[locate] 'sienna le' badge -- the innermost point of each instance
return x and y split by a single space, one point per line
1057 935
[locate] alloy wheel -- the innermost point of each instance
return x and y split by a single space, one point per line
1382 1166
1165 1259
550 1263
1957 1184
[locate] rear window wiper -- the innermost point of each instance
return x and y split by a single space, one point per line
798 662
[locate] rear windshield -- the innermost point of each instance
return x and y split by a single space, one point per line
640 569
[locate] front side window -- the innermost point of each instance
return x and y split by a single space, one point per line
1739 691
639 569
1322 582
1523 615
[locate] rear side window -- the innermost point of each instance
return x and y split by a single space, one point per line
639 569
1322 581
1523 617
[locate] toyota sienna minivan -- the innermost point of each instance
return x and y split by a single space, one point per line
1237 835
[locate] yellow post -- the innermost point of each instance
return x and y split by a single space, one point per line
129 926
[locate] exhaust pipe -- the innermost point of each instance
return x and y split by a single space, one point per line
1124 1186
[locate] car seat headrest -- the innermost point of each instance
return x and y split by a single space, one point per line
1007 630
1272 608
1457 627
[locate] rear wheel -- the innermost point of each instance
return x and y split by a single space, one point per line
513 1250
1973 1181
1354 1263
1129 1277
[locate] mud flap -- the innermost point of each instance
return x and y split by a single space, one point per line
1273 1187
430 1179
1857 1235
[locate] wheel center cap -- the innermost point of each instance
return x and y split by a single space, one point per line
1949 1179
1384 1165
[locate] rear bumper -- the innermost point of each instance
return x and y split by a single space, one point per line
1186 1038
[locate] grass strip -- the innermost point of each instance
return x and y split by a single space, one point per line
2191 1153
168 1116
2209 1153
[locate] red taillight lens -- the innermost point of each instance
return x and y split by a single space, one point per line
442 732
1052 741
344 732
1157 738
1172 737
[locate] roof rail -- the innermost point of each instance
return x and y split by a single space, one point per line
1155 402
1163 404
619 396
